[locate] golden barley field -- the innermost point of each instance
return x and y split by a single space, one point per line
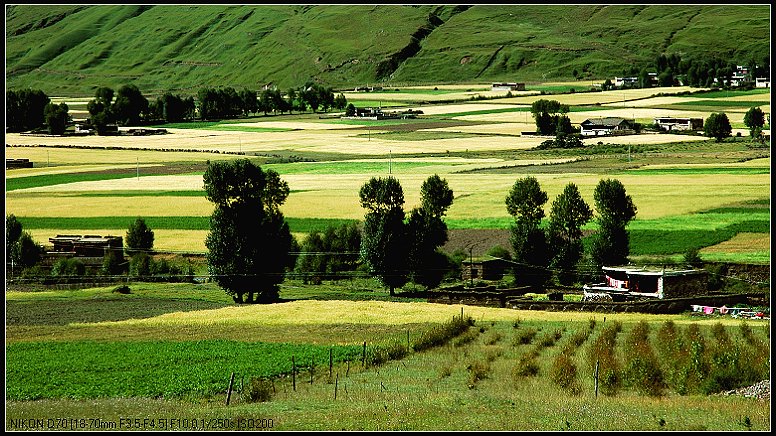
322 313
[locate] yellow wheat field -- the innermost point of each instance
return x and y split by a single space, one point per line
322 313
742 243
336 195
590 98
164 239
43 156
646 139
464 107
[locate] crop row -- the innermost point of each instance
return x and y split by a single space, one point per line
89 369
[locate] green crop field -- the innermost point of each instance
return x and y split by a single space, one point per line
119 361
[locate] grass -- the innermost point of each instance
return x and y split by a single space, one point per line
298 225
17 183
155 369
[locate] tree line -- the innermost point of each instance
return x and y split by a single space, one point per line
250 246
30 109
700 73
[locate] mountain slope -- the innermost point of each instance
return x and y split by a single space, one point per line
71 50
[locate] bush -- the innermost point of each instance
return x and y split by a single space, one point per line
526 366
642 369
524 336
394 350
69 269
478 370
564 373
123 289
439 335
140 266
492 338
259 390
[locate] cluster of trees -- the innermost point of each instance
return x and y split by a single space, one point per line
669 69
20 249
24 109
551 118
396 251
31 109
557 247
128 108
329 254
226 102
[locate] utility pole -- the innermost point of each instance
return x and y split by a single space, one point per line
471 267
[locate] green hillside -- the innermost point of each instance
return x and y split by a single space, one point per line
70 50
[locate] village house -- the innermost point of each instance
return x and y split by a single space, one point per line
623 282
507 86
606 126
762 82
86 246
483 269
672 124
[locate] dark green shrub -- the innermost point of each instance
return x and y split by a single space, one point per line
259 390
69 269
466 337
140 266
642 369
123 289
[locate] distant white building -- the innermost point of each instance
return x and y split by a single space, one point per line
762 82
671 124
605 126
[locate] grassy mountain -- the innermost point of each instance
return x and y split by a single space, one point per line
71 50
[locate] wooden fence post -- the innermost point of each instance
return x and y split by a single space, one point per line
336 381
229 391
596 378
363 356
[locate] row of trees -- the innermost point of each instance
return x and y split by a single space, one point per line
396 250
249 241
694 72
540 251
30 109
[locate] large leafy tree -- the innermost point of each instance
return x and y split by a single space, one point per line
754 119
568 214
56 118
547 114
525 202
129 105
24 109
249 240
384 245
427 232
615 208
20 248
140 237
717 126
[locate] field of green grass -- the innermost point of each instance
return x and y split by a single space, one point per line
67 50
158 354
